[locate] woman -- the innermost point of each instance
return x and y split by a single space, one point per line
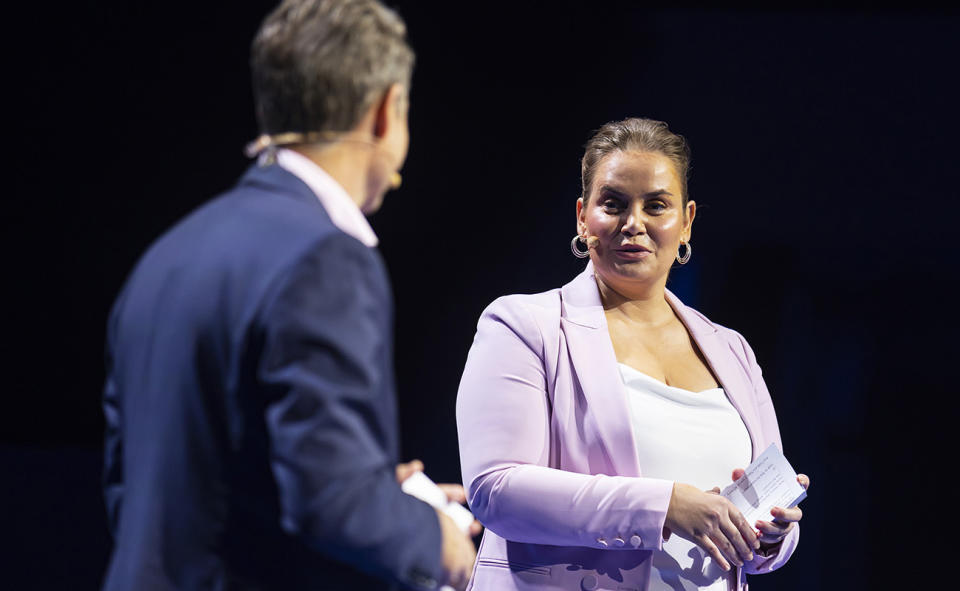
597 420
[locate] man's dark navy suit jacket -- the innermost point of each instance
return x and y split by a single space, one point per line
251 431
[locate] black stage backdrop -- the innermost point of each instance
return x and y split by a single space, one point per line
824 146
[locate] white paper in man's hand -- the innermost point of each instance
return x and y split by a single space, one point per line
768 482
419 485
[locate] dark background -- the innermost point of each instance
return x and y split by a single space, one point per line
824 165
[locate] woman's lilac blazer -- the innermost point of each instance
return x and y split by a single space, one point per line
547 449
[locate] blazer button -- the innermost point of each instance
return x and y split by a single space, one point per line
635 541
602 542
618 542
589 583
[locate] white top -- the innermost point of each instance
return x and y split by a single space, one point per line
696 438
343 211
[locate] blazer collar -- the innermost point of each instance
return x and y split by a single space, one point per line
582 306
592 353
595 364
581 300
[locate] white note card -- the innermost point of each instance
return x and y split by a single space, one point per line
767 483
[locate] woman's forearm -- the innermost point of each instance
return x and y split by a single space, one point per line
540 505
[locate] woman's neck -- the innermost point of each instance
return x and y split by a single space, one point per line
643 305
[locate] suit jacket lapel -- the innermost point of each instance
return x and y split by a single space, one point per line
723 361
595 366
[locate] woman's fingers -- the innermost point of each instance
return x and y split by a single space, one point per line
771 532
774 530
739 539
720 539
782 515
714 552
747 533
713 523
771 528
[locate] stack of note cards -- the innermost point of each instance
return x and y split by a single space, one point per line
767 483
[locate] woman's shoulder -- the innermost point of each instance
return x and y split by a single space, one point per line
544 300
531 316
698 323
579 291
524 307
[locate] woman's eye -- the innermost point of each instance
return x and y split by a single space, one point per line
656 206
611 204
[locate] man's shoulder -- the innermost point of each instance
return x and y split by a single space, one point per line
234 247
266 217
266 203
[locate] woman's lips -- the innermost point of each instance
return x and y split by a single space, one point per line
632 253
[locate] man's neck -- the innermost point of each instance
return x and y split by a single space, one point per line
348 162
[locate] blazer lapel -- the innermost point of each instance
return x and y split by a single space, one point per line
595 366
723 361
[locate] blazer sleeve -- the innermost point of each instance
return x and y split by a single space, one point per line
113 434
503 421
778 555
325 339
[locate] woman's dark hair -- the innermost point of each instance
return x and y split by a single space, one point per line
635 134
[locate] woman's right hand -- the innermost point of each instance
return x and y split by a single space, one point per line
713 523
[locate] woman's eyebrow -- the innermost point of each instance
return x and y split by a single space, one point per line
615 191
648 195
658 193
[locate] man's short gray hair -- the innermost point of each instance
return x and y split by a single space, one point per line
318 65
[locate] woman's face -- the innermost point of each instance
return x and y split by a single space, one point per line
635 209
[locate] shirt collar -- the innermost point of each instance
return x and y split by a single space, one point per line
343 211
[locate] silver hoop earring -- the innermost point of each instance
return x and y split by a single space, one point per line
580 254
685 257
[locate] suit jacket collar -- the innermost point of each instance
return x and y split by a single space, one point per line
273 178
340 206
591 352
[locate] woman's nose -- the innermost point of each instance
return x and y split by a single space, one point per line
634 224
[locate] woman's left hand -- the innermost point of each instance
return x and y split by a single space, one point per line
772 532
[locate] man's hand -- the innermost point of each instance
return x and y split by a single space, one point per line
457 549
458 553
454 492
407 470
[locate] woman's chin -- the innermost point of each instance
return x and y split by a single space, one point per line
638 272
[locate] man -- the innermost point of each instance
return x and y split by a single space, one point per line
251 422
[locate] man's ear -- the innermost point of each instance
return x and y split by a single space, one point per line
387 110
